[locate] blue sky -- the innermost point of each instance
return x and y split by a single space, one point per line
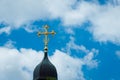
87 43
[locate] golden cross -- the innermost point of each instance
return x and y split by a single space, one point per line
46 33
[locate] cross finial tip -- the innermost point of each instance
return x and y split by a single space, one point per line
46 33
46 26
53 32
39 33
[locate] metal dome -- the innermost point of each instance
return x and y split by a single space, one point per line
45 70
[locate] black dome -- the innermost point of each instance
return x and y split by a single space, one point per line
45 70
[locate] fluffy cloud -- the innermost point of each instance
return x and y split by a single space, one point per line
76 17
26 11
71 45
106 25
13 63
19 64
104 19
72 13
9 44
69 68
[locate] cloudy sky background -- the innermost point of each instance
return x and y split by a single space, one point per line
86 46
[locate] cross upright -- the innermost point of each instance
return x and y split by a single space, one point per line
46 33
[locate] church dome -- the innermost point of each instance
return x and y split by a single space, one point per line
45 70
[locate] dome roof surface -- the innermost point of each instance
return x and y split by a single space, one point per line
45 70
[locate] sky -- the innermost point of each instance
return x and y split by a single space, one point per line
86 45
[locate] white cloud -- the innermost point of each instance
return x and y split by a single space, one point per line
26 11
106 25
104 18
6 29
9 44
69 68
80 14
70 12
19 64
13 62
90 53
71 45
88 60
114 2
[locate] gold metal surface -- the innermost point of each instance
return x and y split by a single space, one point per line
46 33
